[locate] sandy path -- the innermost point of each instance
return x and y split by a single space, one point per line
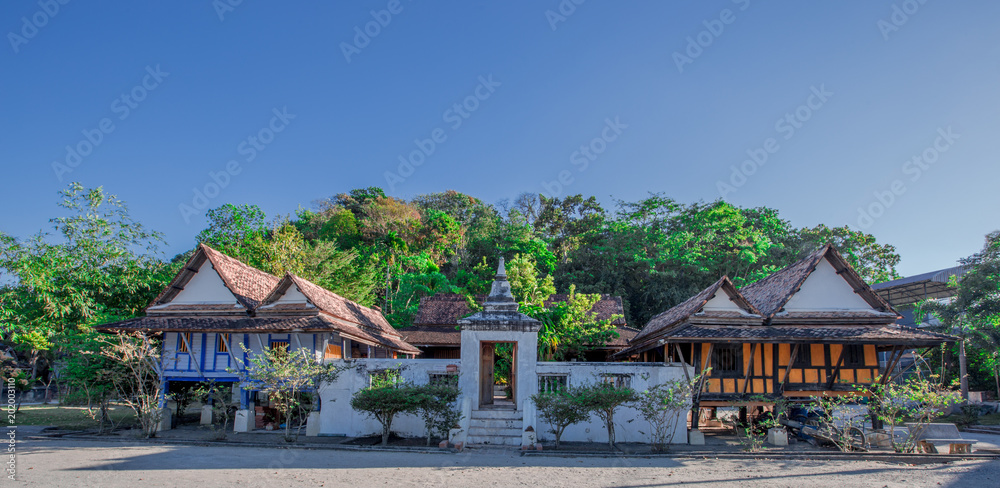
66 463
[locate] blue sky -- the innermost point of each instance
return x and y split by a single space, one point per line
840 96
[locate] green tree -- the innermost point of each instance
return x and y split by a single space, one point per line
342 271
242 232
97 266
385 402
286 376
974 313
560 409
603 399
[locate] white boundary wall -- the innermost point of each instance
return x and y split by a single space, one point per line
338 418
629 425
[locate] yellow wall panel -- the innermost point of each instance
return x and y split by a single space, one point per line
811 376
871 357
818 357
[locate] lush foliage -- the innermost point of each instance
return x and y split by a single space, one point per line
974 313
286 376
662 406
561 409
603 399
383 401
917 400
438 408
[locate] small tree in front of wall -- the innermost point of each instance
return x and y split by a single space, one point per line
603 399
918 400
437 408
140 387
661 405
384 402
286 376
561 408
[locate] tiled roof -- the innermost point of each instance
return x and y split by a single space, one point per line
314 323
248 284
339 306
447 308
605 308
432 335
888 334
771 293
662 323
257 291
443 309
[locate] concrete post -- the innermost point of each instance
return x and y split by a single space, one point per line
206 415
166 419
244 421
313 424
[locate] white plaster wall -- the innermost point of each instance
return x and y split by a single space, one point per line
205 287
721 302
629 425
824 289
338 418
292 295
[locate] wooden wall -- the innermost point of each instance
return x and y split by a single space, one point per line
767 364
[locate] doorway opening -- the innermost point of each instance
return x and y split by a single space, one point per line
498 375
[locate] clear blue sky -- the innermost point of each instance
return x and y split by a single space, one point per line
890 88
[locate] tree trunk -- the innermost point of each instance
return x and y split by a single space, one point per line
611 432
996 377
385 431
962 369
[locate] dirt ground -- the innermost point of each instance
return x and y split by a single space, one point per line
70 463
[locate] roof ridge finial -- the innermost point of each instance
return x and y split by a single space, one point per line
501 270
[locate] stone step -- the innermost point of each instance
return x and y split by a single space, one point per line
496 423
494 440
498 414
493 432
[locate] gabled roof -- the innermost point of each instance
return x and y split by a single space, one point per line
771 294
330 303
665 322
248 284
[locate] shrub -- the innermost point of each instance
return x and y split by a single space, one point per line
560 409
437 408
661 406
383 403
603 399
917 399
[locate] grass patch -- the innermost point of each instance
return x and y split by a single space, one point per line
71 418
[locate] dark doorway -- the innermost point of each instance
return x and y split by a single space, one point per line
498 375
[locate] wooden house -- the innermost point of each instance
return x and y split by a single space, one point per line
813 328
217 308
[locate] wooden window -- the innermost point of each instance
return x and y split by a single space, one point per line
620 380
551 383
804 357
333 351
220 346
727 360
182 342
280 347
854 355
